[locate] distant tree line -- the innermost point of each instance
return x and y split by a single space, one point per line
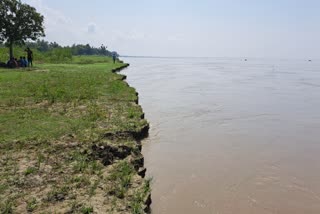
53 52
76 49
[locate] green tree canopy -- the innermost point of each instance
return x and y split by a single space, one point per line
19 22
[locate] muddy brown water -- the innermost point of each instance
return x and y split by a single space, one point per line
231 136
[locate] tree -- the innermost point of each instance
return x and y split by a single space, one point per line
19 22
54 45
103 50
42 45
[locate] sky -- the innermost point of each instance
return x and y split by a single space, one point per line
187 28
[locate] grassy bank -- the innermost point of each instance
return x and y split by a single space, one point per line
56 56
69 140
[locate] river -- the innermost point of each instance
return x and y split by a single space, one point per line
230 136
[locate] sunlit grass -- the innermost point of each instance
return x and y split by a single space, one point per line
51 117
53 100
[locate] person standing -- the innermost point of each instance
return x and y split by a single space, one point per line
114 57
29 56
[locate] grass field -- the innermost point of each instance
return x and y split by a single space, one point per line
68 140
56 56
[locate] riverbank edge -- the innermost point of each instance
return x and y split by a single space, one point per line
138 136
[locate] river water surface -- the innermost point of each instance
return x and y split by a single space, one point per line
230 136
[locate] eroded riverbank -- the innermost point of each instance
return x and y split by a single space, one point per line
70 141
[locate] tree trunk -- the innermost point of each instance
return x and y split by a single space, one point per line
11 49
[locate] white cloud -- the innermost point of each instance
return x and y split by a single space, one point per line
58 26
92 28
53 17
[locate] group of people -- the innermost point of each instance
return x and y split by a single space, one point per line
23 62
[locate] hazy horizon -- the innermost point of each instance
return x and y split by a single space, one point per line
259 29
222 57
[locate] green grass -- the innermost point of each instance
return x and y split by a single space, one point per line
6 206
120 178
30 170
31 204
60 83
51 116
57 194
86 210
63 99
139 197
57 56
90 59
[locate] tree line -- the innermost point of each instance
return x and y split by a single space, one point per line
75 49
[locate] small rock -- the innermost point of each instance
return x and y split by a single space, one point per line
142 172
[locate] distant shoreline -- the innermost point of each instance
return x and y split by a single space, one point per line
225 58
